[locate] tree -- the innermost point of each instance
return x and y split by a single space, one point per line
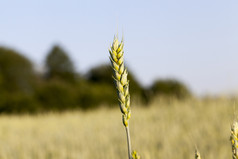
103 74
17 82
170 87
100 74
16 71
59 65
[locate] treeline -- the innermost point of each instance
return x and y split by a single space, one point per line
59 87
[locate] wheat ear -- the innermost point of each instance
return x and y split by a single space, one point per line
122 85
197 154
120 78
234 140
135 155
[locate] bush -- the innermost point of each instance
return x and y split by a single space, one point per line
92 95
100 74
18 103
103 75
56 95
169 88
16 72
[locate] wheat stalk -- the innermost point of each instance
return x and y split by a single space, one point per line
122 85
234 140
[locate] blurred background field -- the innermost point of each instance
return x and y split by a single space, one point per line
60 113
163 129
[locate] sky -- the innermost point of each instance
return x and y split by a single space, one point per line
193 41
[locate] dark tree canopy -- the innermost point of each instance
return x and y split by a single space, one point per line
16 72
59 65
100 74
170 87
103 74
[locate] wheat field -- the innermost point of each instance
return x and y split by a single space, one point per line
166 129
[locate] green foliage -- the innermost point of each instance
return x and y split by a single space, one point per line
100 74
23 91
170 88
103 75
56 95
59 65
92 95
16 73
18 103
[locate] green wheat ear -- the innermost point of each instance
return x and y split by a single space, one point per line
122 85
197 155
135 155
120 78
234 140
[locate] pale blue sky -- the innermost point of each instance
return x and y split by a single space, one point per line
195 41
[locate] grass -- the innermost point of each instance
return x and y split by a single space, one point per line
165 129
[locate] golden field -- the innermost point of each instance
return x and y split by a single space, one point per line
165 129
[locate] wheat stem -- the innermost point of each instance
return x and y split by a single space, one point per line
128 142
